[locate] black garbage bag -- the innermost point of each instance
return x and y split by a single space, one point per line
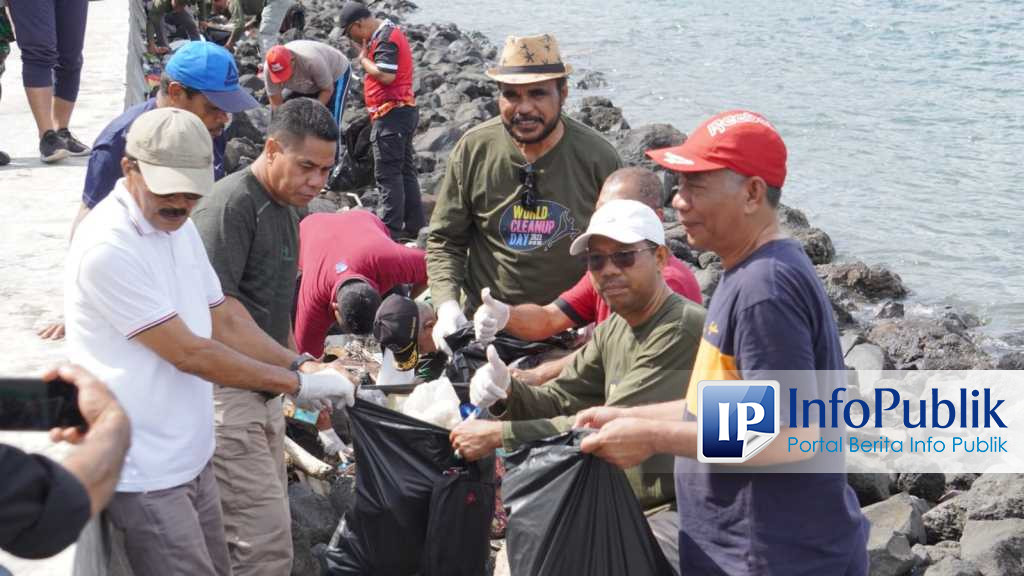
573 513
468 354
418 509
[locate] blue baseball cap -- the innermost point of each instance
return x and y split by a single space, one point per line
211 69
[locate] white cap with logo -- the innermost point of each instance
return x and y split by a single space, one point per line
174 151
625 221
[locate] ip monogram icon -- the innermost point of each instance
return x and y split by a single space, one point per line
736 419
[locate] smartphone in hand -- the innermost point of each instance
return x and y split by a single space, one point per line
35 404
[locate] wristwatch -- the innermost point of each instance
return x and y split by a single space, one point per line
305 357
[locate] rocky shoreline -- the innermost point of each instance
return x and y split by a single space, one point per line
922 523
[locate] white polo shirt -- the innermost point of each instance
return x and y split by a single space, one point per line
123 277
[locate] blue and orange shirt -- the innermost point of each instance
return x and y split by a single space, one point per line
768 317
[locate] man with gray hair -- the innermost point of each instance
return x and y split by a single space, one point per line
145 312
250 229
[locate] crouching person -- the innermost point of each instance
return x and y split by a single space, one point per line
144 312
641 355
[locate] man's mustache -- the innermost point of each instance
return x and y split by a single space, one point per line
519 119
172 212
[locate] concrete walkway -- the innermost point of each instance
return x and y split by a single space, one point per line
39 202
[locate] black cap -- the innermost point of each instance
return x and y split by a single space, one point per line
397 327
351 13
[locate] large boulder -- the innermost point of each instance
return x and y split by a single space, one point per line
871 283
239 153
1011 361
996 547
945 521
933 554
437 139
817 244
895 525
633 143
600 114
313 522
952 567
996 496
927 344
929 486
869 487
251 124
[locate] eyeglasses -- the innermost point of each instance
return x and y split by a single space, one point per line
528 178
622 259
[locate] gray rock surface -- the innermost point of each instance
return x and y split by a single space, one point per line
996 547
952 567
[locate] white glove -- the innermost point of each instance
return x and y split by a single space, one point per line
491 381
490 318
321 389
449 319
332 443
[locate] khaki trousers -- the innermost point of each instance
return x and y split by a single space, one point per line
253 481
175 532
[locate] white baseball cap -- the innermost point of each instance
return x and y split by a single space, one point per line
625 221
174 151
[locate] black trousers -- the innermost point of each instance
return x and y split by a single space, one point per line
394 168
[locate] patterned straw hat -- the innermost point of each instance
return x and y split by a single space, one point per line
529 59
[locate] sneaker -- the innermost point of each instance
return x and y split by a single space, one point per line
74 146
52 148
4 159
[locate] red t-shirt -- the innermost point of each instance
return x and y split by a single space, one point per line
583 305
334 248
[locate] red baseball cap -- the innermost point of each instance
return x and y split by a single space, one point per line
279 64
739 140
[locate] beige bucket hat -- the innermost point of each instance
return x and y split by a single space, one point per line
529 59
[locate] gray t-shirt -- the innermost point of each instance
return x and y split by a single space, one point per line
253 244
316 67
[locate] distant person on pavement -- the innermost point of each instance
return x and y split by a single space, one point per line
202 78
518 189
348 264
145 312
45 505
249 228
50 34
386 59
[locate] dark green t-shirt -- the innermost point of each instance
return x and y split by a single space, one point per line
481 236
622 365
253 244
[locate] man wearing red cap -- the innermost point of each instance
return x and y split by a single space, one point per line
306 68
769 320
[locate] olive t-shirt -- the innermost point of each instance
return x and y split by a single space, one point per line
482 236
622 365
252 242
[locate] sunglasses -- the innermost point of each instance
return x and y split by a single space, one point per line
528 178
622 259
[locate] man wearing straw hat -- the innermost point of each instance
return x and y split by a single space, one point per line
518 189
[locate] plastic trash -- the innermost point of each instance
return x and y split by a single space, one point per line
434 402
573 513
418 509
468 354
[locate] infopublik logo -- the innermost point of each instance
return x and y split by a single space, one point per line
736 419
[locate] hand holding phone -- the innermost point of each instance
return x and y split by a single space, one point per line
95 402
